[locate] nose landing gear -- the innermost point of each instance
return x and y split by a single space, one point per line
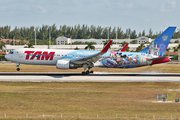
17 65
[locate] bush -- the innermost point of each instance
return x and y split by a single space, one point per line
175 57
2 58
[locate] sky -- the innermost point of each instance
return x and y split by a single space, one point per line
137 15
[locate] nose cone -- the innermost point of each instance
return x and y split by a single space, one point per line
7 57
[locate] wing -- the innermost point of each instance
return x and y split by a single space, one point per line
92 58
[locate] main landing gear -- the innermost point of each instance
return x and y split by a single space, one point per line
86 72
17 65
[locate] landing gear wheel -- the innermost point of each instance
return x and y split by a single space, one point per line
87 72
87 68
18 69
17 65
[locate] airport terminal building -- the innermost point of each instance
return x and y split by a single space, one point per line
62 40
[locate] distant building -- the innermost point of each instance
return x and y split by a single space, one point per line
143 39
63 40
8 41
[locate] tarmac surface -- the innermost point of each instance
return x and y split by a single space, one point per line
96 77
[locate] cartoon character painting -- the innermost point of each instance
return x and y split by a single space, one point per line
118 60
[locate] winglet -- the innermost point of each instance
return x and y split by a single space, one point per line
124 48
105 49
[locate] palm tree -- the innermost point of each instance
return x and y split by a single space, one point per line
106 42
76 48
1 45
90 46
140 48
178 46
30 45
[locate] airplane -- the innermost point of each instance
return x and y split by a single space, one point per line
63 59
73 59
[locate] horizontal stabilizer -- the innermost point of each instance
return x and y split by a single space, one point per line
158 58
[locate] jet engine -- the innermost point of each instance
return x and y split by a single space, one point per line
66 64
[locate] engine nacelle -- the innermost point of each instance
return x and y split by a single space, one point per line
65 64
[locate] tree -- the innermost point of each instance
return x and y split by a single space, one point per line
73 32
133 35
123 43
106 42
7 42
1 45
76 48
128 33
175 49
89 46
140 48
134 42
178 46
104 33
150 33
177 41
143 33
168 49
127 49
120 34
30 45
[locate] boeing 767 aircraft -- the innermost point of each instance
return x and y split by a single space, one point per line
73 59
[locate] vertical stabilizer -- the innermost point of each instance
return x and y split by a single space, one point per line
160 44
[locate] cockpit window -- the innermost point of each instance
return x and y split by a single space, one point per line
11 52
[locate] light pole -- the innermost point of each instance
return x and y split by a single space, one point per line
116 35
35 36
14 40
71 42
49 37
108 33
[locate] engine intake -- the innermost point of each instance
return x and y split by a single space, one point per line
65 64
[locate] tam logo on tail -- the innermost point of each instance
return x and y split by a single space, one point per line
30 55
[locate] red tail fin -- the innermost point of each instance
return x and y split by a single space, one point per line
124 48
105 49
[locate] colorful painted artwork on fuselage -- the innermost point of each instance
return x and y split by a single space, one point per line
120 60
